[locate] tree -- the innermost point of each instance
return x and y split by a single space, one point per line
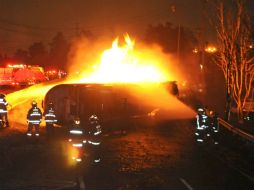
37 54
21 55
235 58
58 54
167 36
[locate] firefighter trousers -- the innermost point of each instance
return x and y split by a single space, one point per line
30 129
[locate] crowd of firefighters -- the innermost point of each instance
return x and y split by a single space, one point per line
206 123
207 126
89 136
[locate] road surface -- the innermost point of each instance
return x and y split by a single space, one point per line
138 154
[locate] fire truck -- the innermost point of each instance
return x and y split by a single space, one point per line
20 74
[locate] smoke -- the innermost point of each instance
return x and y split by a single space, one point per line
85 53
165 104
154 55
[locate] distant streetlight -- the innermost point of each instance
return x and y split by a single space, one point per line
195 50
211 49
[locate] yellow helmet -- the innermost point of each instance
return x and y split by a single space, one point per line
34 103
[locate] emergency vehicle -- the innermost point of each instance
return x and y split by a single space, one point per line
20 74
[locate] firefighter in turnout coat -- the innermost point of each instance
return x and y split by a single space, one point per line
202 126
50 118
76 139
34 117
94 138
3 110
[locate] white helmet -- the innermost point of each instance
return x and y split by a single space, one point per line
93 118
201 110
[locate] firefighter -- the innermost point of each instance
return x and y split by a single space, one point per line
215 127
76 131
3 111
76 138
50 118
34 117
202 125
94 138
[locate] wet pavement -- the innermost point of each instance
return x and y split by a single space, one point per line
137 154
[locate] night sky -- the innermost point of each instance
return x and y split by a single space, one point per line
23 22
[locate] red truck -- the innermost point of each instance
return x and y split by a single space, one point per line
21 75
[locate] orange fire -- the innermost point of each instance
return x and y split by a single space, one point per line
124 64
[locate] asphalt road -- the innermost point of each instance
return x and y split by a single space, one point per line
138 154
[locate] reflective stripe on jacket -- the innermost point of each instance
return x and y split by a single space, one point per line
94 134
34 115
50 116
3 105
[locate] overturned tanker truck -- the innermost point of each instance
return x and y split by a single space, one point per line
109 102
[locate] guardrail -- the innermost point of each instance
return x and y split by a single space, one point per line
236 130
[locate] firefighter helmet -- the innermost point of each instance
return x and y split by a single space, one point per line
201 110
34 103
2 96
50 105
76 120
93 118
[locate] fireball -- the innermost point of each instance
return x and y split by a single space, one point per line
124 64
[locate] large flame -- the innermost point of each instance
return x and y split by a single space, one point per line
125 65
120 63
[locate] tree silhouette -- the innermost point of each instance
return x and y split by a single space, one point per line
167 36
21 55
235 56
58 53
37 54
